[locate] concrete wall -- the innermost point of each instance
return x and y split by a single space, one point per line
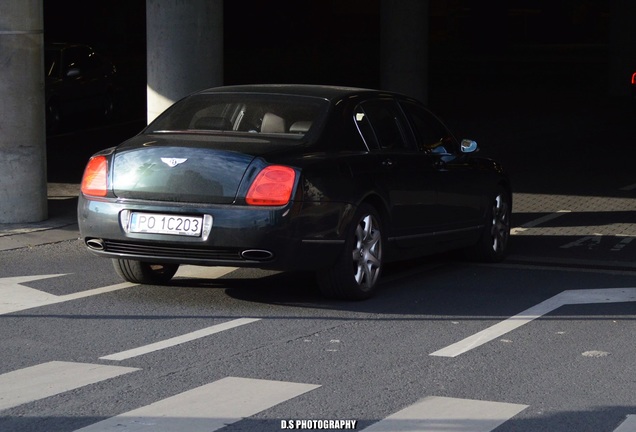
22 120
184 49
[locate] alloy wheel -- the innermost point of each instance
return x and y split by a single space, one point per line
367 252
500 229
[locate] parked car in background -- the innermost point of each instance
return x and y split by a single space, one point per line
79 82
334 180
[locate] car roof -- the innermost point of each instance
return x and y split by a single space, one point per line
323 91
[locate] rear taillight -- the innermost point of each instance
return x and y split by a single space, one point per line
634 78
94 180
272 187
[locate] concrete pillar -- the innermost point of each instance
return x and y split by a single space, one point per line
622 46
404 47
22 123
184 49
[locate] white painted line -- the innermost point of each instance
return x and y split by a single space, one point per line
620 245
591 242
628 188
538 221
15 297
629 425
441 414
610 295
189 271
179 339
48 379
207 408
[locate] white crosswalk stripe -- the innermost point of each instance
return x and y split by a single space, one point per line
213 406
179 339
48 379
629 425
442 414
206 408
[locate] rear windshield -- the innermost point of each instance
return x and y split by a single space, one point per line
292 116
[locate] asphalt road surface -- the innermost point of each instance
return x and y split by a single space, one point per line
446 345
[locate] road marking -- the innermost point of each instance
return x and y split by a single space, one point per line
571 297
621 244
48 379
538 221
206 408
591 241
442 414
179 339
15 297
190 271
629 425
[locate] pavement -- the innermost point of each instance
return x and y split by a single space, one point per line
61 224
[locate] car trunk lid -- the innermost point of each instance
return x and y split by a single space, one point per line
184 169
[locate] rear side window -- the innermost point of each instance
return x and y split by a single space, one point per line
382 125
285 115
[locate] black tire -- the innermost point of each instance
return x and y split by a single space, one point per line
357 270
143 272
493 243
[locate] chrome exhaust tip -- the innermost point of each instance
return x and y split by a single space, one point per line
95 244
257 255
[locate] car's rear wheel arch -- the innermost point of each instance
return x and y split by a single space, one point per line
380 206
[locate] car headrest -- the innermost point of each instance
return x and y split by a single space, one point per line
272 124
300 127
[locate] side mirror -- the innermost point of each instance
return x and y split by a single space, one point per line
468 146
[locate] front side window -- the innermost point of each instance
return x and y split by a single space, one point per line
290 116
432 136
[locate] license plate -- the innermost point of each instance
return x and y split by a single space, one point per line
154 223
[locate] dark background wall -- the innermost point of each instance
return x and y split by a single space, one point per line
518 44
522 63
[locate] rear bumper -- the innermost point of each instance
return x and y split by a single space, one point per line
300 236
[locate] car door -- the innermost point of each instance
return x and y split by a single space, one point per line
403 174
460 184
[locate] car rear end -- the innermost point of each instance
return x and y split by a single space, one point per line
205 197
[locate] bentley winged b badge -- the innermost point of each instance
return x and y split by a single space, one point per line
173 162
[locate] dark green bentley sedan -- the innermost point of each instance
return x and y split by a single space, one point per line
334 180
